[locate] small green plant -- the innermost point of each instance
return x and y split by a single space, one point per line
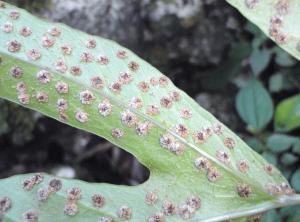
200 170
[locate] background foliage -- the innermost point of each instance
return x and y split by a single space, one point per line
230 68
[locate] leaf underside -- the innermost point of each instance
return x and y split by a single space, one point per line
173 177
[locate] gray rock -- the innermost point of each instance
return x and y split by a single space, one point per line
185 31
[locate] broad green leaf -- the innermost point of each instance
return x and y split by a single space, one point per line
287 114
283 59
142 112
254 105
296 180
276 19
259 60
279 82
280 142
289 159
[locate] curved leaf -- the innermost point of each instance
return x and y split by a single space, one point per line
100 87
276 19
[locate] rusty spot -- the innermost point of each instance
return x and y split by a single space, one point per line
81 116
105 108
181 130
124 212
55 185
70 209
152 110
186 212
13 46
30 216
122 54
14 15
229 142
136 103
186 114
166 102
244 190
7 27
54 31
97 82
62 105
103 60
202 163
5 204
24 98
86 57
116 87
60 66
223 156
194 202
157 217
243 166
163 81
66 49
153 81
47 42
98 200
125 78
105 219
151 198
86 97
43 76
42 97
251 4
268 169
91 43
16 72
117 133
62 87
128 118
43 194
21 87
213 174
25 31
34 54
143 128
75 70
175 96
143 86
74 193
169 208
